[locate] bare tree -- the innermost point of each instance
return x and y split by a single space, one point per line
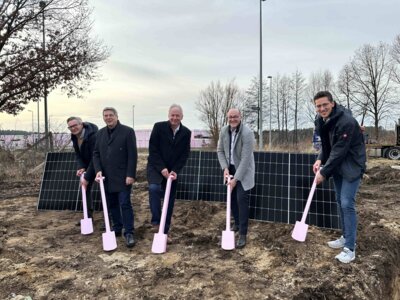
298 85
373 74
396 57
250 105
29 68
214 103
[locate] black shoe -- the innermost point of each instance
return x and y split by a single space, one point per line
241 242
118 233
130 241
235 228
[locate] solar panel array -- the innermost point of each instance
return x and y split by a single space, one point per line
283 182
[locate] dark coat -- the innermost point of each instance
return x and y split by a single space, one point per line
343 148
115 156
84 154
165 151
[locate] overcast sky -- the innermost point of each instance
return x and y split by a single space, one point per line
165 52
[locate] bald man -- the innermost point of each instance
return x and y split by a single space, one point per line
236 156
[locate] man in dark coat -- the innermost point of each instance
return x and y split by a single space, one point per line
343 157
83 137
169 149
115 158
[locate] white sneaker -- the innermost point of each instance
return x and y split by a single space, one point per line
336 244
346 255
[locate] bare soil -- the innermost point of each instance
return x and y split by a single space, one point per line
44 256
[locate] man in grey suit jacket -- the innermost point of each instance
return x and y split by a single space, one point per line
236 156
115 158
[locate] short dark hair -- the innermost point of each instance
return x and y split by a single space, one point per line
323 94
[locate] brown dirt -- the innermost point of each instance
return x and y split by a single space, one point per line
44 256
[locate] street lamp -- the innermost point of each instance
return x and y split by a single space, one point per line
33 129
42 5
270 113
133 116
260 127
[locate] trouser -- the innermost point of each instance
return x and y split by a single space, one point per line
121 210
346 198
240 205
156 192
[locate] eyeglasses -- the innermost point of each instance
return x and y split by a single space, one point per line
233 117
72 126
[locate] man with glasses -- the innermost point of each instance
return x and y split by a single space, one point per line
236 156
115 158
343 158
83 137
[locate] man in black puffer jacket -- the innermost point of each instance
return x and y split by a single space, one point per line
343 157
83 137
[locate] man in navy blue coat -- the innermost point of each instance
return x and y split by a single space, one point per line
169 149
343 158
115 158
83 137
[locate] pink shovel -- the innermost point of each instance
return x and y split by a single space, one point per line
300 229
109 239
160 238
86 222
228 236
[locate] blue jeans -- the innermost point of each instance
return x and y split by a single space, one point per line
156 192
121 203
346 198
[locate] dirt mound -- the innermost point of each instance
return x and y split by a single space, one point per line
44 256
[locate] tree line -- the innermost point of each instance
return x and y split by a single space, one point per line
368 84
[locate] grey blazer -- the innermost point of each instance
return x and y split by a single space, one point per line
242 154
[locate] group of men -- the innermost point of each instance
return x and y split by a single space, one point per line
111 153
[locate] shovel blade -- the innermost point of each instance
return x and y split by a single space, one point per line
109 241
228 240
159 243
300 231
86 226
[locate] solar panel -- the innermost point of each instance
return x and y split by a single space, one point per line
282 185
59 188
283 181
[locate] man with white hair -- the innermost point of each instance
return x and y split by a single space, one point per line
169 149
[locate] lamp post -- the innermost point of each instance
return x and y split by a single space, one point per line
133 116
33 129
42 5
270 113
260 119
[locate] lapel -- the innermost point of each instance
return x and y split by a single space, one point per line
114 134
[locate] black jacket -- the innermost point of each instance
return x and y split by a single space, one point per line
343 148
165 151
115 155
84 154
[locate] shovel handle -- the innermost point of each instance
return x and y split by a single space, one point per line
228 202
310 196
165 204
104 203
84 200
